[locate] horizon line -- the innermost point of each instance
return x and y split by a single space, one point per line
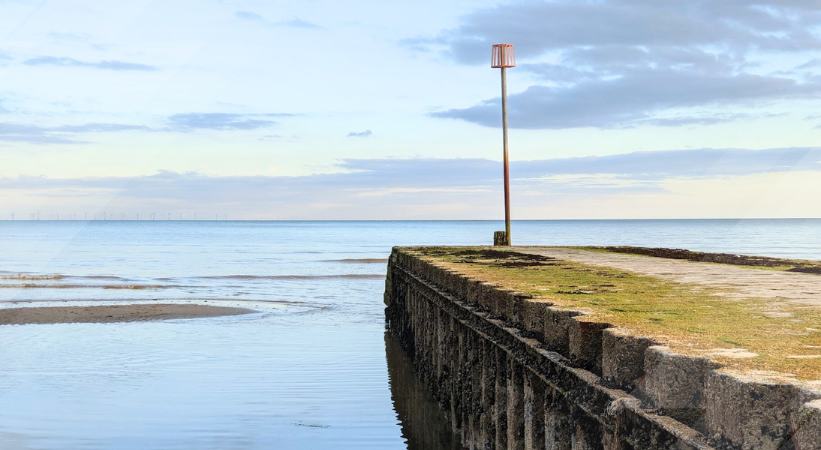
419 220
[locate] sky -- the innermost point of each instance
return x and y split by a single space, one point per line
320 109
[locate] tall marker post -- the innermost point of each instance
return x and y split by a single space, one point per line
502 57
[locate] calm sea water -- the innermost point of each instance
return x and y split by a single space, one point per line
312 369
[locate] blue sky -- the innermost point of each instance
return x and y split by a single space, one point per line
388 110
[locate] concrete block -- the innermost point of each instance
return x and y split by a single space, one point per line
492 294
434 275
585 343
476 293
460 286
512 307
586 436
558 427
515 406
623 358
500 402
533 317
442 278
806 426
750 412
487 420
611 442
556 324
534 390
501 304
675 383
445 279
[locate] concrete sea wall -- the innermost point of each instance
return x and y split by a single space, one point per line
512 372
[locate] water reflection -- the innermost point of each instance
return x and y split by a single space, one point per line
424 426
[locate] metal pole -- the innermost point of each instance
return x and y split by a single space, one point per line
506 162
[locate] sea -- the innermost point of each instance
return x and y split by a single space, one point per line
312 368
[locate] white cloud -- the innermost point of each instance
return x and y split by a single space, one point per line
775 182
360 134
294 22
62 61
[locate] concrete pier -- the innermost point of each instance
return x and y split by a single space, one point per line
514 372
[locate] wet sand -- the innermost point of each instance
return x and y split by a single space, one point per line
113 313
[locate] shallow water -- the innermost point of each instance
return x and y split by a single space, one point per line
311 370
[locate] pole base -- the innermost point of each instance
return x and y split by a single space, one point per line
500 239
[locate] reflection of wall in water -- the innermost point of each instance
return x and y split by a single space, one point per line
423 424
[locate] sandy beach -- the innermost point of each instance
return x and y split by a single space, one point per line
113 313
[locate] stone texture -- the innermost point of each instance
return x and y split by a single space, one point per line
533 317
750 412
558 428
806 424
556 329
585 343
534 425
623 358
515 406
675 383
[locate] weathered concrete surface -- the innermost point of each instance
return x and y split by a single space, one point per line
508 382
734 281
675 383
755 412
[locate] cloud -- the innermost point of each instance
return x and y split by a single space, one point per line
616 63
737 25
177 123
97 128
62 36
221 121
811 64
85 39
63 134
360 134
696 120
631 99
682 163
32 134
103 65
248 15
295 22
651 165
425 188
433 173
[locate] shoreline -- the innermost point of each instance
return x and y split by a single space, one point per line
113 313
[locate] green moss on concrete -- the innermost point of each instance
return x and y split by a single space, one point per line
689 318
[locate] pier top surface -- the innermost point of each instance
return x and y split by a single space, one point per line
759 316
774 282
